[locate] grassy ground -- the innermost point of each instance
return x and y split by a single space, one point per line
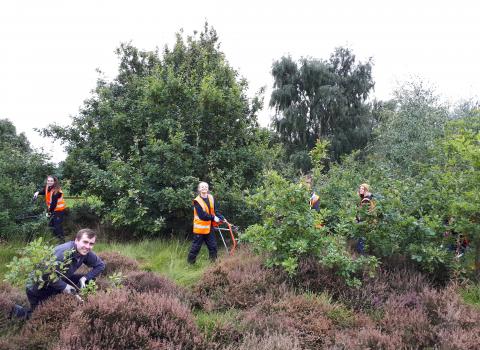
167 257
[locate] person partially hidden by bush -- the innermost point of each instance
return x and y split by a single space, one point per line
366 203
314 198
460 244
69 282
205 215
56 205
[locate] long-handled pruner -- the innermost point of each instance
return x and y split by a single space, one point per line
229 229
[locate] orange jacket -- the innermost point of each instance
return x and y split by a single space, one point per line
202 227
60 202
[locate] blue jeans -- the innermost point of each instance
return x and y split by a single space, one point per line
360 247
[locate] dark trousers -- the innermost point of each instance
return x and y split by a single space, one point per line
56 224
209 240
37 296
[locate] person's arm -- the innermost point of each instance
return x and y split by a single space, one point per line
95 263
218 213
201 213
41 191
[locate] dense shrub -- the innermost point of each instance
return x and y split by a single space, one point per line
115 262
238 281
290 232
266 342
366 338
143 282
404 316
125 319
42 329
9 296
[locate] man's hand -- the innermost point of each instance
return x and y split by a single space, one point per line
35 195
69 289
216 219
82 282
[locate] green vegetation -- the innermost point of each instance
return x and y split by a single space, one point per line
167 257
170 118
22 171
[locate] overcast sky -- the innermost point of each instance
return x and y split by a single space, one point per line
50 49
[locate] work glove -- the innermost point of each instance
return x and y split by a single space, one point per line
48 214
69 289
216 219
35 195
82 282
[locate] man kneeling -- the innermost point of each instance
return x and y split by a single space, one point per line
82 254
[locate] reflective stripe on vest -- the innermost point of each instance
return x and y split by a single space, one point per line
202 227
60 202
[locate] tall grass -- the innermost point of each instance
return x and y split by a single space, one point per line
166 257
471 294
7 252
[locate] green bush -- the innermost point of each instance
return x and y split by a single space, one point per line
290 231
22 169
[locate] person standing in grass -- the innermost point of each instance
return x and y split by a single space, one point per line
204 216
55 205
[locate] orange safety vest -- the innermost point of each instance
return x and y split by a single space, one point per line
314 200
60 202
202 227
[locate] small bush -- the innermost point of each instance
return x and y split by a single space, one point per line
366 338
115 262
266 342
142 282
405 318
42 329
10 296
376 290
238 281
124 319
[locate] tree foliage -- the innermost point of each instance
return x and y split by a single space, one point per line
319 99
424 176
21 171
143 141
290 230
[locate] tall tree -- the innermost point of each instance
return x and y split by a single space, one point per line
22 169
168 120
318 99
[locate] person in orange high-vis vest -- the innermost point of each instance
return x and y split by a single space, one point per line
204 217
55 205
366 200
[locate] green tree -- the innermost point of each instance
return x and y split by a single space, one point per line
319 99
410 125
168 120
21 171
289 231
